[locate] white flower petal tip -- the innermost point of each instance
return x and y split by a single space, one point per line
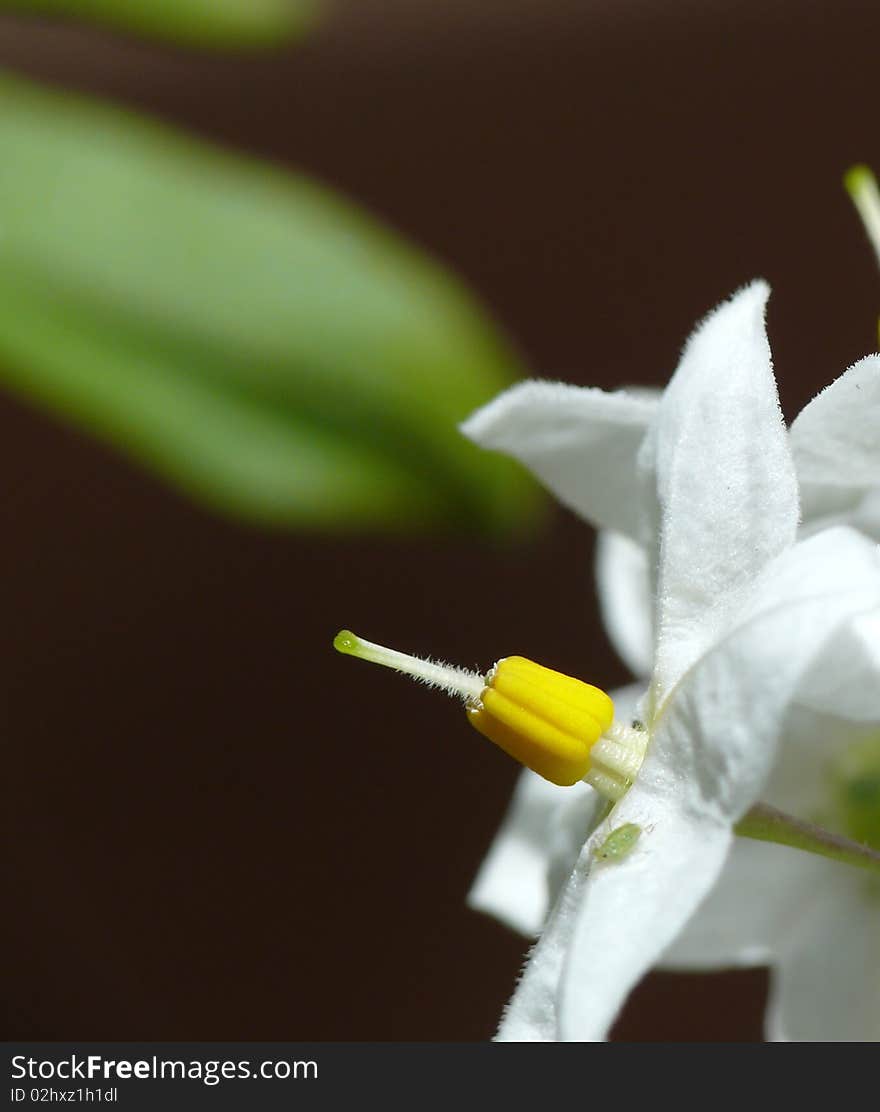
729 346
749 303
581 443
836 445
729 337
726 486
537 402
737 322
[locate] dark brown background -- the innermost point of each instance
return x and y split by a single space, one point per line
219 828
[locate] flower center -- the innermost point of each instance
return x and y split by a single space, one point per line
856 779
558 726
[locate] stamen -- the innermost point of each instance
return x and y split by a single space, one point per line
862 187
454 681
615 760
557 726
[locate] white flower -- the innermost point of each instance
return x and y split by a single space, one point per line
703 478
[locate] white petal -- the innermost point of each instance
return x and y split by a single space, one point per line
568 831
581 443
624 584
845 680
613 919
750 912
725 480
538 842
835 441
512 883
811 742
866 516
718 731
826 987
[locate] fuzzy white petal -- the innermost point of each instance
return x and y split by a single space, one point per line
826 987
581 443
846 680
866 516
725 480
764 889
624 585
836 442
613 919
721 725
654 891
512 883
538 842
811 742
751 911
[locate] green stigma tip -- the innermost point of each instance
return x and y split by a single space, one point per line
345 641
455 681
857 178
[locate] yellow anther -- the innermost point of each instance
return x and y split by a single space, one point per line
543 719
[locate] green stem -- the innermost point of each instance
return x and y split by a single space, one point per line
766 824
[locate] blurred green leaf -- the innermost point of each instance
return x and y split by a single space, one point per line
241 330
200 22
